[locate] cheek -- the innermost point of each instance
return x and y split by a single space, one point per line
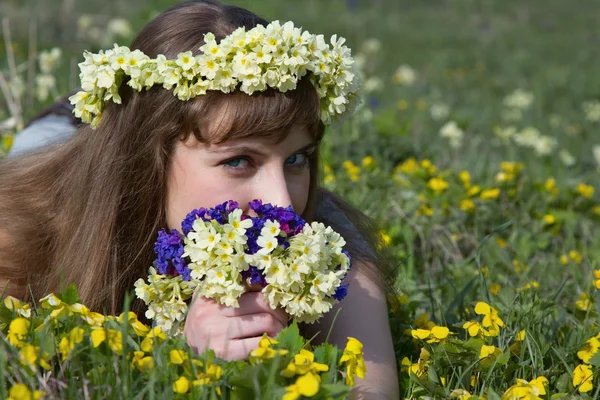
298 189
190 186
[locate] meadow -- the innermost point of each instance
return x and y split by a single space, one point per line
476 151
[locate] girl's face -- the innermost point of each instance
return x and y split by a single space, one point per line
204 175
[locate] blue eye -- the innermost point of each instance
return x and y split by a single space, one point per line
297 160
237 163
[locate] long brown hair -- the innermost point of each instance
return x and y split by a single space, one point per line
87 211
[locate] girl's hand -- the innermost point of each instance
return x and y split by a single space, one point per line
231 332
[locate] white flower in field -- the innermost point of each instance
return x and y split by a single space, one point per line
519 99
373 84
371 46
8 124
43 85
527 137
567 158
592 110
48 60
596 153
119 27
453 133
84 22
544 145
360 60
439 111
405 75
505 134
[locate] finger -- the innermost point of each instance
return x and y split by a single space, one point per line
252 325
254 303
239 349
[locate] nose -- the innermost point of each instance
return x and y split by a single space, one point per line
273 188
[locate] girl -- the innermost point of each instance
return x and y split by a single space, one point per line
86 211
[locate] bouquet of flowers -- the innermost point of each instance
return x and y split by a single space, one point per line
221 251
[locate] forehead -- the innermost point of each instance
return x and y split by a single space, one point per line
297 137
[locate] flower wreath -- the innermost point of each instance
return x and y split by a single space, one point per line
275 56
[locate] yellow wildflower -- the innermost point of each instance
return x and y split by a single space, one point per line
17 331
409 166
489 351
139 328
438 185
575 256
501 243
59 307
112 336
385 238
141 361
428 166
564 260
529 285
549 219
596 210
177 357
583 378
597 278
304 363
425 210
211 373
585 302
584 190
490 194
511 167
181 385
590 347
422 321
264 350
495 288
19 308
19 391
92 318
29 356
148 342
306 385
520 336
527 390
353 358
474 191
550 186
368 162
352 170
460 394
474 328
465 178
467 205
519 267
68 342
491 320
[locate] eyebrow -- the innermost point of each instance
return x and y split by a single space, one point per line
253 150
